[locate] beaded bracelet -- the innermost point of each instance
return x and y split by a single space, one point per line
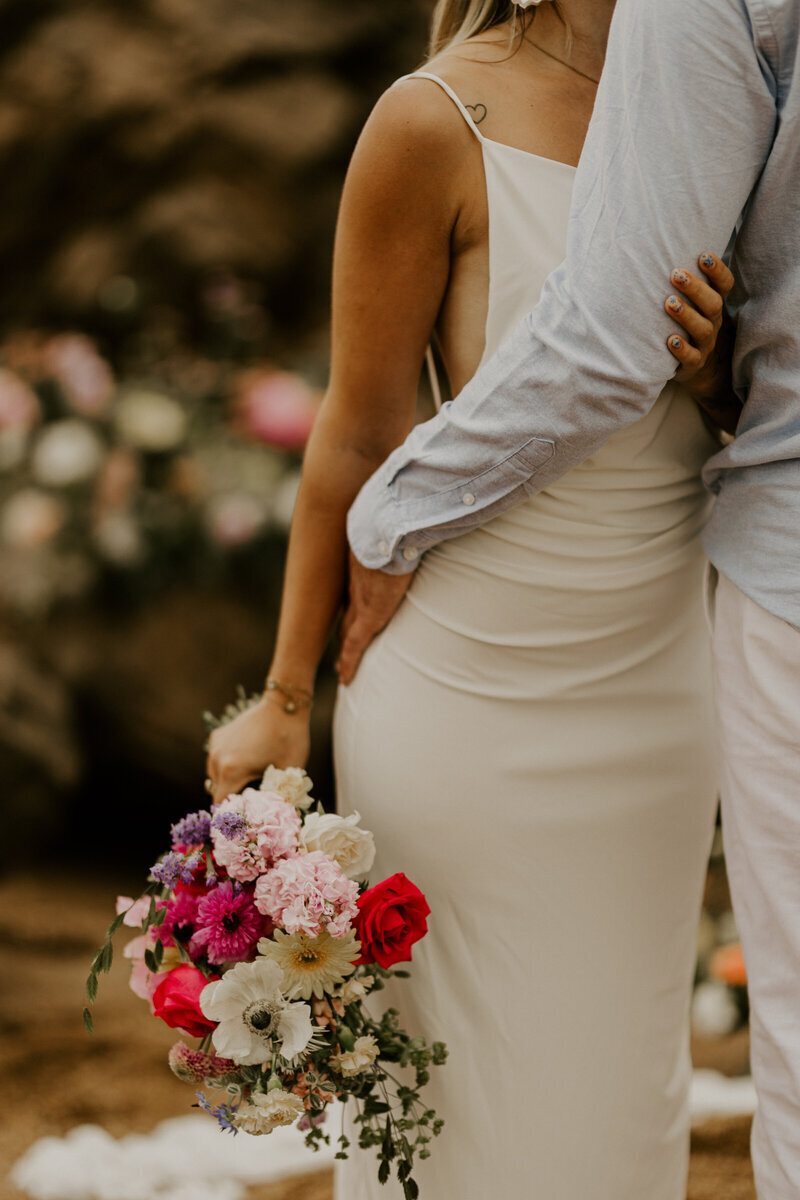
295 697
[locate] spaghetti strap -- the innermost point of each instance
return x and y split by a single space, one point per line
462 108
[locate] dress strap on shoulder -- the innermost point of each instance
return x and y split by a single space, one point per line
462 108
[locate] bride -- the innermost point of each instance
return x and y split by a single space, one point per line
530 737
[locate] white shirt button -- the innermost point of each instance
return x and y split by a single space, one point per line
468 498
383 547
410 553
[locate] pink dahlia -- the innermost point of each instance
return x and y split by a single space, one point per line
228 925
271 833
181 919
308 894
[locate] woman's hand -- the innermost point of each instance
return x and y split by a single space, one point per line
705 345
241 750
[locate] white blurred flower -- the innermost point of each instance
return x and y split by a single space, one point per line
357 1060
714 1010
284 499
67 452
341 839
118 539
30 519
290 783
266 1111
234 518
150 421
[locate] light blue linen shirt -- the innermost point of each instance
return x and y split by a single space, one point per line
695 135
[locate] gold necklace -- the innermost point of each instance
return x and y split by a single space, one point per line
563 62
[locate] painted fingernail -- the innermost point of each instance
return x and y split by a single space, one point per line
674 303
676 343
679 277
708 260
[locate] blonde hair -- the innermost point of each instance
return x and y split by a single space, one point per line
454 21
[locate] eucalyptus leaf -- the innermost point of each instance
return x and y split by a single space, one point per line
91 987
115 924
87 1020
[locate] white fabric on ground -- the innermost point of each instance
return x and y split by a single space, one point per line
187 1159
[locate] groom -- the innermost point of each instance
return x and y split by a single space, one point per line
696 135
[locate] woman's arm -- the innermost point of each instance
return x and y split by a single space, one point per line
391 264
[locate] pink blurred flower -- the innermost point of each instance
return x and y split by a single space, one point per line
273 833
308 894
19 404
234 518
85 377
143 982
118 479
135 910
228 925
276 407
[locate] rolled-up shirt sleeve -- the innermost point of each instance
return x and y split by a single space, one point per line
683 123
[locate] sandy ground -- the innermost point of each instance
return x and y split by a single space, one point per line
59 1077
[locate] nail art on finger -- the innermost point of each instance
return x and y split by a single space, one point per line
680 277
676 343
674 304
708 260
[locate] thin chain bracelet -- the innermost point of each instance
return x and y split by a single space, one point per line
295 697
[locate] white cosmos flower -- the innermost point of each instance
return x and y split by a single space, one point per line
265 1111
253 1015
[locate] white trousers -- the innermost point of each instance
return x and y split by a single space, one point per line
757 673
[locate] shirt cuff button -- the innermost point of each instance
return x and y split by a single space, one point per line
468 498
410 553
383 547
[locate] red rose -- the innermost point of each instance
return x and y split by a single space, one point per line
391 917
177 1000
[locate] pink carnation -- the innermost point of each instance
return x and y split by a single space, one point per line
273 833
228 925
308 894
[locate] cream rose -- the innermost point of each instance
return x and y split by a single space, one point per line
357 1060
341 839
266 1112
291 784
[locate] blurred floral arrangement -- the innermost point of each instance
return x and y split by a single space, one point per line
123 477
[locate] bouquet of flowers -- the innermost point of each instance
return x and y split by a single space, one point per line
259 935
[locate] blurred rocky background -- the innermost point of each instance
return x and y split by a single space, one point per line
171 175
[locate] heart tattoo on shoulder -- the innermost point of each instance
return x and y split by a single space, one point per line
478 112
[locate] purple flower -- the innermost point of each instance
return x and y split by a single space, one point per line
225 1115
169 870
193 830
228 925
231 825
176 868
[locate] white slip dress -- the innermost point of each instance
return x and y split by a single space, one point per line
531 741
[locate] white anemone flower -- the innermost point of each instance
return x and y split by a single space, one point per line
254 1016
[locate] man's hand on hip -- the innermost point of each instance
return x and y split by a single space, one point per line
374 599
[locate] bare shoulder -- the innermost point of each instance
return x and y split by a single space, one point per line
416 122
